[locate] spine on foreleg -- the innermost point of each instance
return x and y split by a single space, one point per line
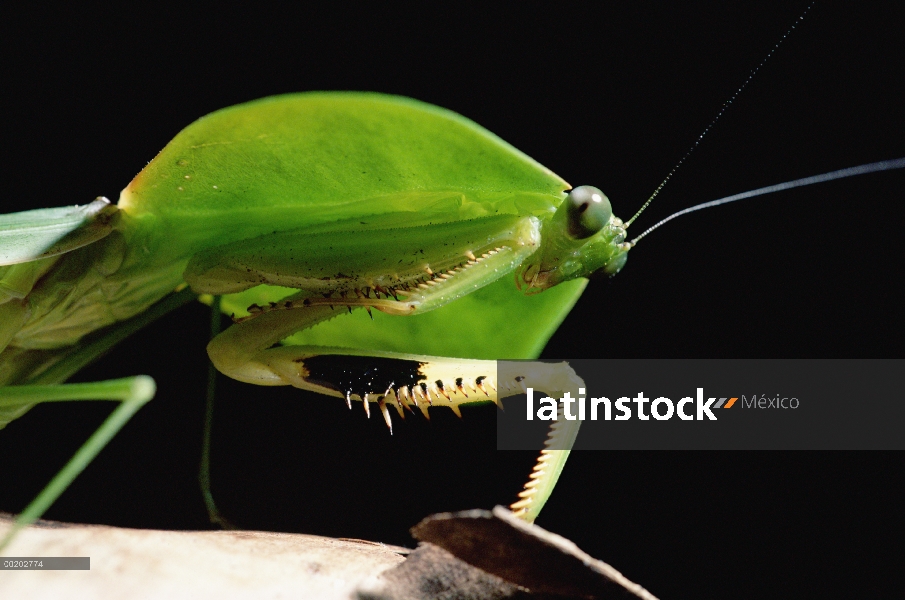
404 381
554 379
398 380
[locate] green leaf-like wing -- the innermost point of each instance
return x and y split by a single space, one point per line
36 234
307 161
318 161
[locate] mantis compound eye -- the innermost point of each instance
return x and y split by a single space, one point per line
588 211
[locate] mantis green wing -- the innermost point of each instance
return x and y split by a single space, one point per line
333 160
35 234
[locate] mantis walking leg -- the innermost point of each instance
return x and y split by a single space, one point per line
132 392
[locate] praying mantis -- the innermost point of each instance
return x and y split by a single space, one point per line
688 267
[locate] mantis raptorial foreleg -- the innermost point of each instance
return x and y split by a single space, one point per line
245 352
416 280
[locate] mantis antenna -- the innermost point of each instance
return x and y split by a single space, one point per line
720 114
883 165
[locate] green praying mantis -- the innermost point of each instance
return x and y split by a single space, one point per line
272 217
170 261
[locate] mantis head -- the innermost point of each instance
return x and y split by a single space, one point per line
583 237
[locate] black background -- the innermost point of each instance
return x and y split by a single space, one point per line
612 99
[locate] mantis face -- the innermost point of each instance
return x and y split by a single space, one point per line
582 238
